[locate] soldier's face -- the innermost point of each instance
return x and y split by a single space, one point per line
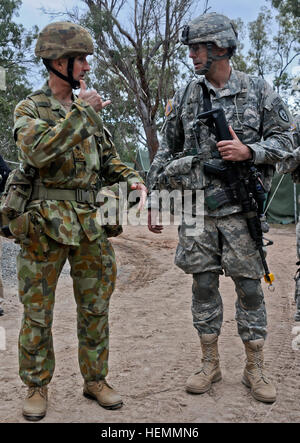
81 66
198 53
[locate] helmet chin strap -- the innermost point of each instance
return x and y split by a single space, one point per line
74 83
210 59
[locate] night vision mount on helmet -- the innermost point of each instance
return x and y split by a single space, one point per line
63 39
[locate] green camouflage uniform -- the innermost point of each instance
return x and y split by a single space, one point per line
262 122
69 151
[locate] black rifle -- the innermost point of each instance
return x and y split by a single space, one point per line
243 184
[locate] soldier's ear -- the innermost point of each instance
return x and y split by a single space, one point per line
220 51
60 64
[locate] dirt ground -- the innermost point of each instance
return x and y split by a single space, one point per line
154 347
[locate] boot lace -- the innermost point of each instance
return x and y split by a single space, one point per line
259 366
42 390
208 361
98 385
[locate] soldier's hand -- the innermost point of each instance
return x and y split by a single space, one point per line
234 150
142 194
152 221
92 97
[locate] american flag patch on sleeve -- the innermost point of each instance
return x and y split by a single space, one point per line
169 108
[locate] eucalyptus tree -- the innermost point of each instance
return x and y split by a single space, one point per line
15 58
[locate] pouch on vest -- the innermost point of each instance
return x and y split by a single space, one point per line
19 228
28 230
108 214
17 192
185 173
215 198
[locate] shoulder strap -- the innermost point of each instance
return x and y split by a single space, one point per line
207 106
240 100
43 106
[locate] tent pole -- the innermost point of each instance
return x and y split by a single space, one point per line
274 193
295 203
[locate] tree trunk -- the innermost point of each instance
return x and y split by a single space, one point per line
152 139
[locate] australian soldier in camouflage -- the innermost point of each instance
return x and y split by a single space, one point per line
260 134
61 138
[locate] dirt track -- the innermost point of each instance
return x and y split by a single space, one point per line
154 347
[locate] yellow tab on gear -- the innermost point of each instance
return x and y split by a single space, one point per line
269 278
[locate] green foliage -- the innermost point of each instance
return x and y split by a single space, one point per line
272 53
287 6
15 43
259 32
239 60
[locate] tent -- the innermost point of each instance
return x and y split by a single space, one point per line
283 200
142 162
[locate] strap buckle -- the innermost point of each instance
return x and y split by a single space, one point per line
83 196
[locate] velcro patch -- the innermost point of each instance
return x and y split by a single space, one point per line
283 115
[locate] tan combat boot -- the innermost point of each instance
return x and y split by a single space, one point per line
254 377
35 405
105 395
210 371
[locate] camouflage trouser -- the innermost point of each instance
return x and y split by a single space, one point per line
225 245
93 270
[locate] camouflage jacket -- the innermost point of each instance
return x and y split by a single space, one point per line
291 164
257 114
71 152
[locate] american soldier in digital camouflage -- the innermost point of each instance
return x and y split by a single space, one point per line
260 132
61 138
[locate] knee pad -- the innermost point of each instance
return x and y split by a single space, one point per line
249 293
205 286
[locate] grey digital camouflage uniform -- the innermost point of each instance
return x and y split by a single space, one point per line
262 122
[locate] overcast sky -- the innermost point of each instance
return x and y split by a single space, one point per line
31 14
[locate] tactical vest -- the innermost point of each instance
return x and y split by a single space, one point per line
195 89
40 192
43 106
23 186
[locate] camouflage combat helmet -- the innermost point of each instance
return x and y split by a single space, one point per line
63 39
208 29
